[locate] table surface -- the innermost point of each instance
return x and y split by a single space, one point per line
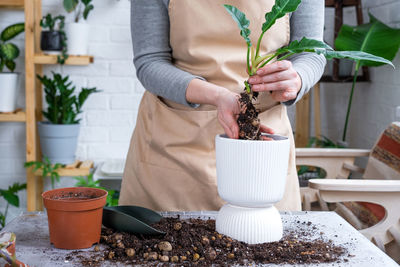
34 248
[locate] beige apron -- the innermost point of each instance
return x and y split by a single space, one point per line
171 159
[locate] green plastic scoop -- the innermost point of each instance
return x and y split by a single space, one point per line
131 219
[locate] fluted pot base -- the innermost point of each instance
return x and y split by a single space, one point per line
250 225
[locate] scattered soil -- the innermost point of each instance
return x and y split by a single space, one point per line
195 242
248 121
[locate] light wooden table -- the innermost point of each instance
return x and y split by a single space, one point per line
33 245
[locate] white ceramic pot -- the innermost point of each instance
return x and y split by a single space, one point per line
77 38
251 177
252 173
8 91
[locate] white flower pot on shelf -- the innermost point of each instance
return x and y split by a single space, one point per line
8 91
77 38
251 177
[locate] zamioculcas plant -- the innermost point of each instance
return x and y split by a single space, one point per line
63 105
9 51
374 37
249 124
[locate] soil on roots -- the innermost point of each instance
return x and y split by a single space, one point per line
248 121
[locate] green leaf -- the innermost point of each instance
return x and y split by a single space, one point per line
304 45
374 37
70 5
16 187
10 64
10 197
9 51
280 9
12 31
241 21
354 55
88 8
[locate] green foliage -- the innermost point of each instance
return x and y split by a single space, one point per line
242 22
63 104
11 196
47 168
77 6
9 51
50 22
280 9
113 195
322 142
374 37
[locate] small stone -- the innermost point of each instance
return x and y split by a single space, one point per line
105 238
145 255
327 255
219 236
164 258
196 257
211 254
195 248
183 258
130 252
165 246
213 238
96 248
178 226
120 244
188 252
118 237
231 256
152 256
174 259
205 241
111 255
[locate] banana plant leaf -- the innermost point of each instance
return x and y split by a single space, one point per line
12 31
241 21
374 37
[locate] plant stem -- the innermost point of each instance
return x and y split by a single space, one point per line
248 60
248 90
349 104
269 59
259 44
286 56
5 213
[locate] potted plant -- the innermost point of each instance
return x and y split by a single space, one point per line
54 40
9 80
78 31
74 216
249 215
374 37
59 135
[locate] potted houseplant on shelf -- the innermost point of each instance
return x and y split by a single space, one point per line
53 41
78 31
249 215
74 216
374 37
59 135
9 80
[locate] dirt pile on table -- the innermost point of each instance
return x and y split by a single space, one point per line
195 242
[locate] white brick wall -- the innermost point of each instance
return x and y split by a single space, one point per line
110 116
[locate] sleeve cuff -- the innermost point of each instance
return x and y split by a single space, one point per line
302 91
187 81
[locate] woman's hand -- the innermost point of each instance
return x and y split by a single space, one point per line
279 78
228 111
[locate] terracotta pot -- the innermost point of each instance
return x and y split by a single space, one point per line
74 216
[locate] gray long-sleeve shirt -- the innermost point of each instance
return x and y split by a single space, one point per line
153 54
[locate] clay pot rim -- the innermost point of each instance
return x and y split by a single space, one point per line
281 139
47 195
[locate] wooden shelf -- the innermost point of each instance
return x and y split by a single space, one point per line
78 168
52 59
18 115
12 3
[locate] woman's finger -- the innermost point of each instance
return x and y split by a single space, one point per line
273 77
274 67
276 86
265 129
